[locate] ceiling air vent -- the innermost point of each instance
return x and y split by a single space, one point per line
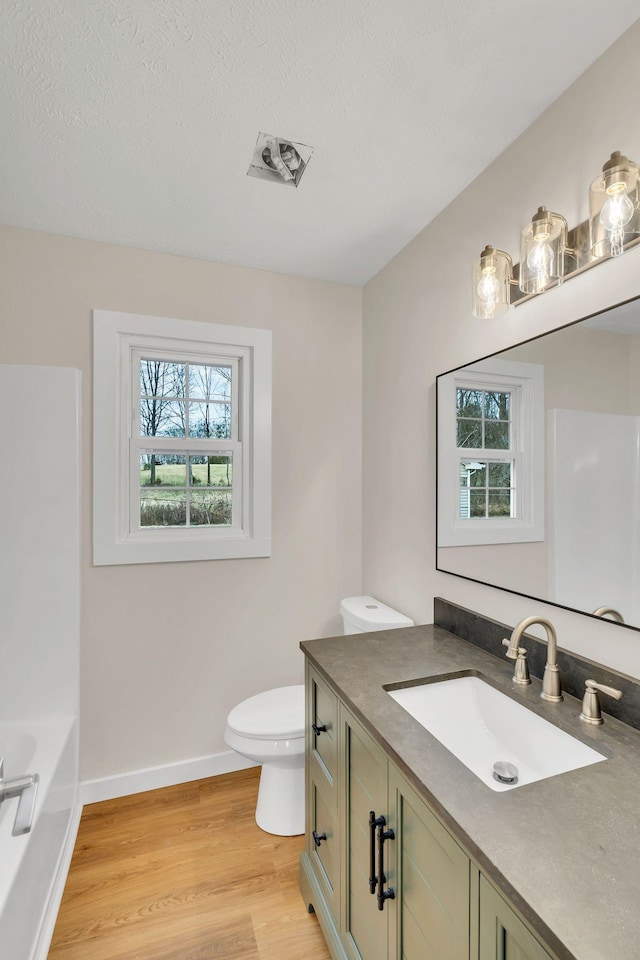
279 160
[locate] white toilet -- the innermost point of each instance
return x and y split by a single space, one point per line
366 614
269 729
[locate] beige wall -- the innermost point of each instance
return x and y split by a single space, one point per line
418 323
584 369
169 648
634 374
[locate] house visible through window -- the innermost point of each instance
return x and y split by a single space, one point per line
484 424
491 454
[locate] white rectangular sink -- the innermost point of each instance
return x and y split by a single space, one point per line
482 726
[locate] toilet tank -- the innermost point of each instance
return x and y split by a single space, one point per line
365 614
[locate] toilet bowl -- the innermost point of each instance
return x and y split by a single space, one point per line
269 729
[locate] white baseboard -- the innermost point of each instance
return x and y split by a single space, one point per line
151 778
50 916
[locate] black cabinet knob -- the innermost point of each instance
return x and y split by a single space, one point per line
318 837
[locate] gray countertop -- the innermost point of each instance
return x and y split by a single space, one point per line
565 851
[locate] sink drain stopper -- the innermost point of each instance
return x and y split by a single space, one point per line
505 772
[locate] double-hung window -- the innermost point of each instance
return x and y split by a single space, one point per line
491 454
181 440
185 442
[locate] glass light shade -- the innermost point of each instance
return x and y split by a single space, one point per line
614 207
491 275
542 250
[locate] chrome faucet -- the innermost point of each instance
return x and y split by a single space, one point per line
551 689
26 788
609 612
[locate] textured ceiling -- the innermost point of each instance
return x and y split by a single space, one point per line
134 121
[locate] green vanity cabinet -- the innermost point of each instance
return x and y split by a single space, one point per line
442 908
503 936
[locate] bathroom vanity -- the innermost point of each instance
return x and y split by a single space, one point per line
409 854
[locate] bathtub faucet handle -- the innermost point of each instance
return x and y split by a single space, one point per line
27 789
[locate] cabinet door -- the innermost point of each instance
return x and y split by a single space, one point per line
432 879
365 927
503 936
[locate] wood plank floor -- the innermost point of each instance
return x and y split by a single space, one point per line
184 873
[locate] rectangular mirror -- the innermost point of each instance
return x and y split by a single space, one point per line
539 467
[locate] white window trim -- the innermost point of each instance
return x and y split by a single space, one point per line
526 380
117 336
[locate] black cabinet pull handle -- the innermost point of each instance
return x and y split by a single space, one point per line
389 893
318 837
373 823
318 728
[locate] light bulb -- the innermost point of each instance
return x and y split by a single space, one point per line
616 213
488 290
540 260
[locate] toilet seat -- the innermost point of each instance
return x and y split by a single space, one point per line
272 715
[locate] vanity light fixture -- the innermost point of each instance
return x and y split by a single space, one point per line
551 253
614 207
492 278
543 247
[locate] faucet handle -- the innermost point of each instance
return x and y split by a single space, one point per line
513 651
26 788
590 712
26 806
521 669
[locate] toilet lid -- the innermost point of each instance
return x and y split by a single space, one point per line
273 714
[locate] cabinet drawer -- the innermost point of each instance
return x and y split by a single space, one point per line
322 814
323 710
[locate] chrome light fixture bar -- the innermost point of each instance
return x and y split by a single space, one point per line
550 253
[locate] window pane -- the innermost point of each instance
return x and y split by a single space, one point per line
161 418
499 503
209 383
210 420
210 508
161 379
478 503
163 469
496 435
162 508
500 474
497 405
468 403
214 471
478 475
469 433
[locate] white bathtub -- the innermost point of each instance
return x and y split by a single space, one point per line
33 867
